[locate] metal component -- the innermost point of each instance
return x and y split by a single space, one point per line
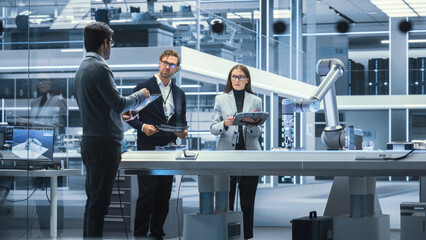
370 197
349 138
357 192
206 202
206 190
325 65
369 205
422 192
288 109
290 106
333 139
330 111
222 201
221 188
288 124
329 70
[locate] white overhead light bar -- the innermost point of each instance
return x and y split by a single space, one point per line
190 86
204 93
278 13
125 87
282 13
72 50
401 8
415 1
410 41
347 33
177 19
117 66
121 21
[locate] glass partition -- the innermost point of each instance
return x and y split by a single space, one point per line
417 57
17 208
42 47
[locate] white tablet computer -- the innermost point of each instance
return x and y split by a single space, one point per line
145 103
259 117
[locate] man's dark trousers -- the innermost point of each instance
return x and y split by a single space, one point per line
101 159
153 204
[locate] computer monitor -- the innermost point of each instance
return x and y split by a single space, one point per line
167 8
33 143
135 9
185 8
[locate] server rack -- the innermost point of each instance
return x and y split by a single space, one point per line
356 78
417 75
378 76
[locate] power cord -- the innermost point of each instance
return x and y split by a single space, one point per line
402 157
21 200
177 207
121 208
237 192
47 196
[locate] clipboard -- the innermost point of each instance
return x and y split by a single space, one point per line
146 102
168 128
239 118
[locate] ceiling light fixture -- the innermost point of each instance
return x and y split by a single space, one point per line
401 8
278 13
190 86
72 50
410 41
125 87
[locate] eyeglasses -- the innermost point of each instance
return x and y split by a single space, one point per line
171 65
42 82
240 77
112 42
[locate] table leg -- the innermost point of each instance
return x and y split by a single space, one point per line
422 189
53 206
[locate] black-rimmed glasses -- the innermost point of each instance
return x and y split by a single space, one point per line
112 42
171 65
240 77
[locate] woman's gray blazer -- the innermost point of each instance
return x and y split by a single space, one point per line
225 107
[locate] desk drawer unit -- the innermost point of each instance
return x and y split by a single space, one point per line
124 194
115 210
116 223
114 219
413 221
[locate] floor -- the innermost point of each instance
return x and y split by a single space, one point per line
260 233
274 208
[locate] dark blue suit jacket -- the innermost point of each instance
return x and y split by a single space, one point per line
154 114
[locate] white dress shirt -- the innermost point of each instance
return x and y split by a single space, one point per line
166 92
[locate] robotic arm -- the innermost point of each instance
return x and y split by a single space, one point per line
333 135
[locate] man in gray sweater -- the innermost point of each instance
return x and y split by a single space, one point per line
101 107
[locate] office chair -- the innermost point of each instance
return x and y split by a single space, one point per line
4 192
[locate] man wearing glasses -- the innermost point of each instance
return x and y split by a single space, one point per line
152 205
101 107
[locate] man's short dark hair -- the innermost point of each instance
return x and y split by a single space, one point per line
94 35
170 52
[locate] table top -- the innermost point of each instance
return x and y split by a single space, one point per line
39 173
300 163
